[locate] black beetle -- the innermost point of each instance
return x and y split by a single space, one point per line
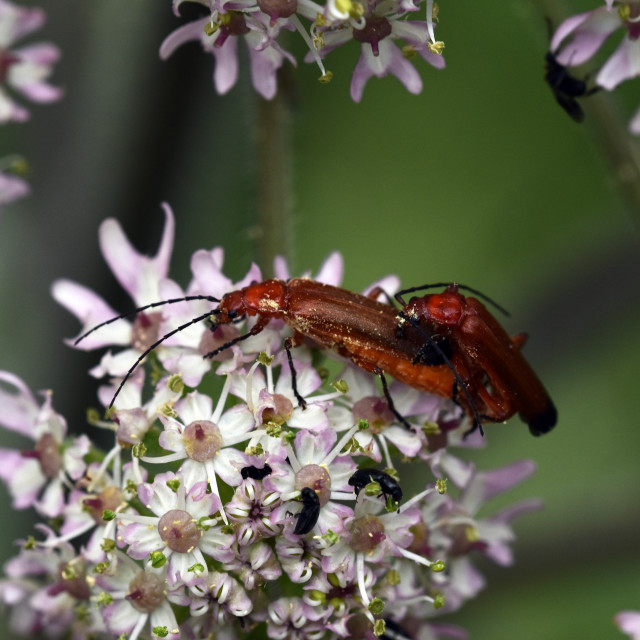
308 517
566 88
254 473
388 485
394 631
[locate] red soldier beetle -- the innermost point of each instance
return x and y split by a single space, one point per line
357 327
494 371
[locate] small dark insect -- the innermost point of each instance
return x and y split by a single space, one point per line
254 473
566 88
308 517
388 485
393 631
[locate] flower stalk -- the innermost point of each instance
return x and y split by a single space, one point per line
274 157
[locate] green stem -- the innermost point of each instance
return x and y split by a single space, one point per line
620 148
274 176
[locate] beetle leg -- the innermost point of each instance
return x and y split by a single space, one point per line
387 395
289 343
491 403
470 393
497 404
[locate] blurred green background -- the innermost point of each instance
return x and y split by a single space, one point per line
481 179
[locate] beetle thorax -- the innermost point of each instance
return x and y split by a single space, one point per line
266 298
445 308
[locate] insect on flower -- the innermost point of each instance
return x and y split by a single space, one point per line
566 88
310 513
389 487
393 631
444 344
357 327
489 362
254 473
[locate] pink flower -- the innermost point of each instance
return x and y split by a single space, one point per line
139 275
204 438
579 37
629 622
316 464
23 70
182 529
37 477
12 188
380 56
218 34
261 22
138 596
222 597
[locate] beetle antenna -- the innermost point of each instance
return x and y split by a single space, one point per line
254 331
147 306
227 345
156 344
486 298
456 375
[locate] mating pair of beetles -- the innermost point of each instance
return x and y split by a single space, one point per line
444 343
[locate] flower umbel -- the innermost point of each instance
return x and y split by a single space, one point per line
253 495
376 26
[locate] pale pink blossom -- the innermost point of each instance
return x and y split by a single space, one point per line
24 70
